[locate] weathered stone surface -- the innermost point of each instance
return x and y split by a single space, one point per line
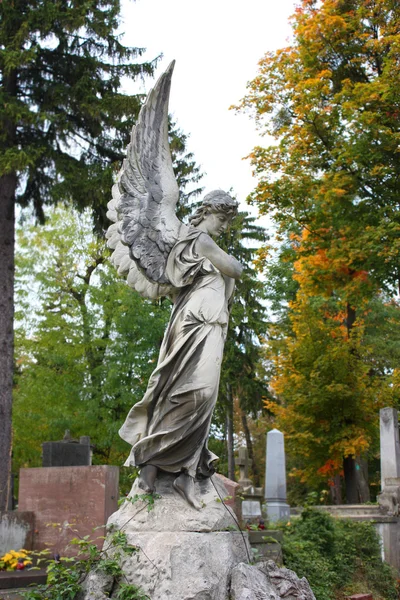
97 586
172 513
249 583
182 553
265 581
184 565
16 531
286 583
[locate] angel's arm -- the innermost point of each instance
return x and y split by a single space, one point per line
228 265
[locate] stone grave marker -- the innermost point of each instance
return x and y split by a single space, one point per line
68 502
390 445
67 452
275 478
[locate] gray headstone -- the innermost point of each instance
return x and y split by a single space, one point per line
390 445
275 478
251 509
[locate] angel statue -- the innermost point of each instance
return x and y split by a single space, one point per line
168 429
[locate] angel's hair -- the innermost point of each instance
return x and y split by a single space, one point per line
217 201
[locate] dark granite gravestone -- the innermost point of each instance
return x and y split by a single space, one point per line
67 452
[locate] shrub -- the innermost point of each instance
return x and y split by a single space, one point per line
337 556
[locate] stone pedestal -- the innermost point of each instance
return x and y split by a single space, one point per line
67 502
275 478
182 553
390 445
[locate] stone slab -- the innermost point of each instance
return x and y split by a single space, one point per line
12 594
182 553
20 579
16 531
249 583
67 502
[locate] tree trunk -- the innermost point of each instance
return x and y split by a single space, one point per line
350 480
362 480
8 185
254 467
336 490
229 433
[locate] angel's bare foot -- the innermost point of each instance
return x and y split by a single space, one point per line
147 477
184 485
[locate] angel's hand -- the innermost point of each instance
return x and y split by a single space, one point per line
227 264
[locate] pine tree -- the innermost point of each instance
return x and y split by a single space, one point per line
63 125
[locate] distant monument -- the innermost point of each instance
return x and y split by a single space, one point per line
389 498
67 452
275 478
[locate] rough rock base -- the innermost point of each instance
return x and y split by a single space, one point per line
184 554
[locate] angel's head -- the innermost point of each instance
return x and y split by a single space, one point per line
215 213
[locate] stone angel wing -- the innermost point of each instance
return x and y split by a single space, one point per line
145 226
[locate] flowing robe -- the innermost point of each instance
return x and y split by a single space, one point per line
169 427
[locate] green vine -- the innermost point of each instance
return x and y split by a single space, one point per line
130 592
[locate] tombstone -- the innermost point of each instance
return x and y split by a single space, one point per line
243 462
251 505
390 445
251 511
68 502
275 478
67 452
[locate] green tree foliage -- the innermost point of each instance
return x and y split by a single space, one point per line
63 123
331 183
86 343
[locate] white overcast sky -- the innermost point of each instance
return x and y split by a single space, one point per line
217 45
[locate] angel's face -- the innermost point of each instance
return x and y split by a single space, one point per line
215 223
